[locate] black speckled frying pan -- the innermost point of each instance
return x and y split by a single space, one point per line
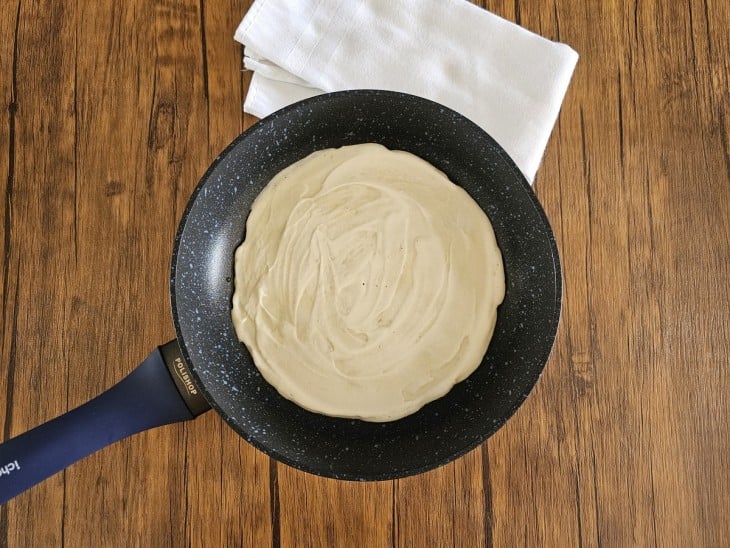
210 361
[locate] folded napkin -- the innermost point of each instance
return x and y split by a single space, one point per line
506 79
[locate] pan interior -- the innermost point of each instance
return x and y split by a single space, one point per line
213 226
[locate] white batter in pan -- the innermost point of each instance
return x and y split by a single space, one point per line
368 283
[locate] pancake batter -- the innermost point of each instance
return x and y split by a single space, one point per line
368 283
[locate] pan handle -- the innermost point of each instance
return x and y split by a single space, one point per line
159 391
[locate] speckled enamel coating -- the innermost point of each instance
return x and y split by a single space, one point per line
213 226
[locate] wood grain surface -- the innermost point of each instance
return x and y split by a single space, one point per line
111 113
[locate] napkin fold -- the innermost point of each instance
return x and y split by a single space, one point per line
508 80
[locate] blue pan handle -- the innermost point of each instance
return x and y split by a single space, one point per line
159 391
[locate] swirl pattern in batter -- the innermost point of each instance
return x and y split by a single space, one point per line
368 283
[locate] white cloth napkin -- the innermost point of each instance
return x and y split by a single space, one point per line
506 79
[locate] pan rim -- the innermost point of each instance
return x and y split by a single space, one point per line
533 378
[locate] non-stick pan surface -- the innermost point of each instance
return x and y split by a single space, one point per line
202 286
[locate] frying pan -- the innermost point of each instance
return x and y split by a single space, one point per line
207 366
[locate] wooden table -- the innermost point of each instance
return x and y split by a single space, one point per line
113 110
